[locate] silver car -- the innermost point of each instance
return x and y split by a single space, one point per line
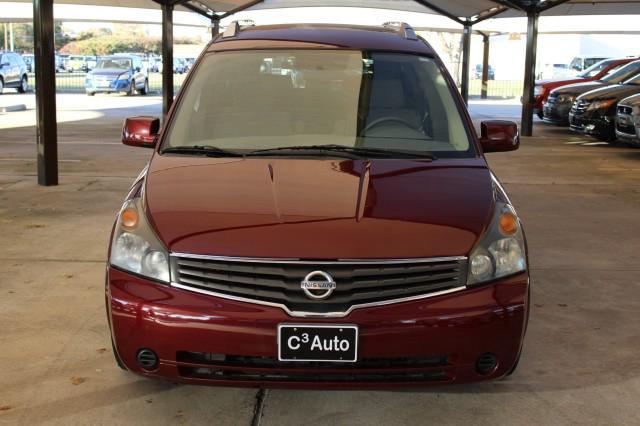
628 120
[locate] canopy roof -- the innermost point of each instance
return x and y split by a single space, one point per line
462 11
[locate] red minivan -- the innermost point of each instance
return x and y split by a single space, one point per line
317 212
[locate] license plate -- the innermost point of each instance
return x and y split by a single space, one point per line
330 343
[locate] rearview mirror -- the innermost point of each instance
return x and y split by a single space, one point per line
499 136
141 131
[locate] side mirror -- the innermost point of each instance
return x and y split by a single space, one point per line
499 136
141 131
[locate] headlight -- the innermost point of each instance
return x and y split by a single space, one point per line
566 99
123 77
537 91
603 104
501 250
135 247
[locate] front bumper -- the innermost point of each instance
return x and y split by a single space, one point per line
203 339
600 127
557 113
91 86
628 129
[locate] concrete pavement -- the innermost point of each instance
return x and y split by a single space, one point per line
579 203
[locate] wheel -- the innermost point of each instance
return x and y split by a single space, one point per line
91 93
24 85
145 89
132 89
1 85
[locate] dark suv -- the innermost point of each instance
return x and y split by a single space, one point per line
13 72
318 212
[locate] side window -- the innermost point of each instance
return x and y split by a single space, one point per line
137 63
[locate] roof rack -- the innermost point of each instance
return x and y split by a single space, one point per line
404 29
236 26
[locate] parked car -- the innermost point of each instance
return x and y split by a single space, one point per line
594 113
60 63
76 63
318 232
13 72
628 120
478 73
91 62
179 66
556 109
584 62
28 59
595 72
121 73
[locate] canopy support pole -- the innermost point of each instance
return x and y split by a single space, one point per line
215 27
47 128
485 66
466 53
528 98
167 57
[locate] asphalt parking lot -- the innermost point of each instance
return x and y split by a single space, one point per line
579 201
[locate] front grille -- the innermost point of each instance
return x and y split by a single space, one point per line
357 282
199 365
622 109
579 107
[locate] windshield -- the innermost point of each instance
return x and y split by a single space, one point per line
634 80
622 73
595 69
250 100
114 64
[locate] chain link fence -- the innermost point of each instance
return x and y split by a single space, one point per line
73 82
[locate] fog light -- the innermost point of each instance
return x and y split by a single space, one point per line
147 359
486 363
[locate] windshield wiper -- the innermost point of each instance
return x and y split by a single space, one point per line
207 150
357 152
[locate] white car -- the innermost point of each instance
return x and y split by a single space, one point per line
628 120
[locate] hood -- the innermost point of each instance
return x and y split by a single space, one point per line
318 209
580 88
551 83
617 91
631 100
109 72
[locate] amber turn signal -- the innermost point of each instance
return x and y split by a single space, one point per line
129 218
508 224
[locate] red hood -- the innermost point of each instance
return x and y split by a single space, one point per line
552 84
318 209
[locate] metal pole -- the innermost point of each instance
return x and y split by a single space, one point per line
215 27
466 52
167 57
45 73
529 74
11 45
485 67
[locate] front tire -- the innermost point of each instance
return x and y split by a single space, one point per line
132 89
145 89
91 93
24 85
1 85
